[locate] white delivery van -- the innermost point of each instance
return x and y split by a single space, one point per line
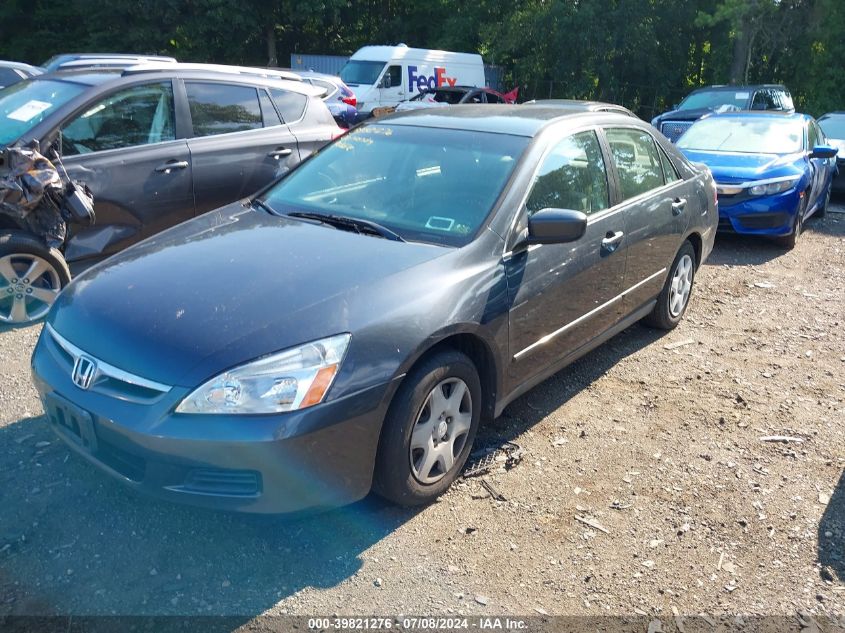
385 75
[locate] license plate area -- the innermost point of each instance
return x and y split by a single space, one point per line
70 421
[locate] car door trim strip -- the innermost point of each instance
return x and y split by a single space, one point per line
548 337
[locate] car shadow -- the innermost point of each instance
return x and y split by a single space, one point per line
833 223
743 250
831 536
73 541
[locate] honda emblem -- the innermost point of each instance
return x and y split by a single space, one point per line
84 371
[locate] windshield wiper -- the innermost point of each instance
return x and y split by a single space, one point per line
364 227
255 202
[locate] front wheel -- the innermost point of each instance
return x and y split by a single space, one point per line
429 430
31 276
673 300
790 241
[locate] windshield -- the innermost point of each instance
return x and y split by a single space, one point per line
757 135
361 73
425 184
24 105
833 127
716 100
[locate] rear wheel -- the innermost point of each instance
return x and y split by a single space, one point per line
674 298
429 430
31 276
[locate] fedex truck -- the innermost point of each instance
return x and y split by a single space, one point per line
385 75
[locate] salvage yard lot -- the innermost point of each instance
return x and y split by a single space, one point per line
654 439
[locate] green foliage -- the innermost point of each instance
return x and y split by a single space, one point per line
645 54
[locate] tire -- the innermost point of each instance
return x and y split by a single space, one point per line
674 298
31 275
788 242
403 474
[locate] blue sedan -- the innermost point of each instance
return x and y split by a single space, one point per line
772 171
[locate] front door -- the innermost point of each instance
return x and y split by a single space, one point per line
124 148
563 295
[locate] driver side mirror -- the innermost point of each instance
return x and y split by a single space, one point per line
823 151
556 226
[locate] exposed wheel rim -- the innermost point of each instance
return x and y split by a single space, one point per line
28 287
681 285
441 431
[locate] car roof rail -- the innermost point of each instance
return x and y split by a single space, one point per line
217 68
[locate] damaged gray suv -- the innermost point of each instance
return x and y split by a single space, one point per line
155 144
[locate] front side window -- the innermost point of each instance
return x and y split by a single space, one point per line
637 161
393 77
222 108
140 115
426 184
573 176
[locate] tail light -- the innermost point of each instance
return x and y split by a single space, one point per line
353 101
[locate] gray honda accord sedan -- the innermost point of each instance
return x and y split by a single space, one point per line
350 327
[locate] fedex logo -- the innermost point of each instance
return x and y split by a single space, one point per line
421 82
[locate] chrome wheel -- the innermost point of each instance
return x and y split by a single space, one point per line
28 286
679 290
441 430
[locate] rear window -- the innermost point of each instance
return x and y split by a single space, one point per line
25 104
223 108
291 105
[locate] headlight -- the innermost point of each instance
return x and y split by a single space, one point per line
294 379
771 188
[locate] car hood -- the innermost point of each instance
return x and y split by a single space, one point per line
681 115
734 167
225 288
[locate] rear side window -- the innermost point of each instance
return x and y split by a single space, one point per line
271 117
223 108
637 161
670 174
573 176
291 105
140 115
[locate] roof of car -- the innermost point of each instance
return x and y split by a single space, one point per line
497 118
575 104
100 76
20 66
728 87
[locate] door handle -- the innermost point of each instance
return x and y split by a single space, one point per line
170 165
279 153
612 241
678 205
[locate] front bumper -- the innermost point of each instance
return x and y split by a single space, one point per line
319 457
759 215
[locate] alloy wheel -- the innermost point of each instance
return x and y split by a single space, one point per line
679 290
441 430
29 285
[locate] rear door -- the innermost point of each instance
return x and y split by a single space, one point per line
307 118
124 147
564 295
657 205
239 143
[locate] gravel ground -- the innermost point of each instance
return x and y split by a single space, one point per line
654 439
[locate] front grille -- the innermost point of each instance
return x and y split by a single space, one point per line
108 379
224 483
673 129
763 220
